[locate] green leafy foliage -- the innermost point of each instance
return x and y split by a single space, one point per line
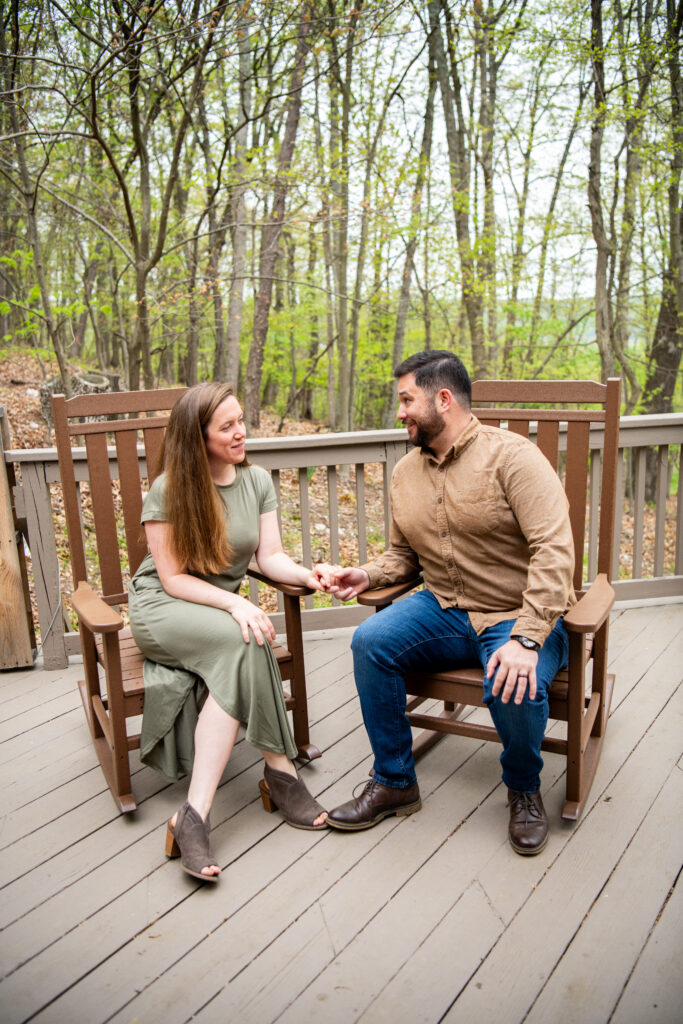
152 194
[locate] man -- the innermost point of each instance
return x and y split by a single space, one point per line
484 516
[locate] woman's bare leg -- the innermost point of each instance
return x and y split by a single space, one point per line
214 739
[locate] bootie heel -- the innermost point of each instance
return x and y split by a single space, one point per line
288 794
172 848
266 799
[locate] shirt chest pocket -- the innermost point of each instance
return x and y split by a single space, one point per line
474 510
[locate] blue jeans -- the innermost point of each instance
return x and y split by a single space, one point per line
417 634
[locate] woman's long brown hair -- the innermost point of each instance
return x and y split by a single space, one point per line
194 508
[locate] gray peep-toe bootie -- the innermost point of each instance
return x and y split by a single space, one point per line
189 840
283 792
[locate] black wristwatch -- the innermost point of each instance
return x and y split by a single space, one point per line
530 645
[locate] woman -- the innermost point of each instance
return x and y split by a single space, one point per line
209 662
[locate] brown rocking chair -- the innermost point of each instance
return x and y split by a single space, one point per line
581 695
113 426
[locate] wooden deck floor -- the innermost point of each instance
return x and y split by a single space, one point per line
426 918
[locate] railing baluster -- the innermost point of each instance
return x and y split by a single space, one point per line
678 566
618 515
275 476
639 511
361 524
594 512
305 525
333 505
661 494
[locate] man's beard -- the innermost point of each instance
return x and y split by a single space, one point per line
428 428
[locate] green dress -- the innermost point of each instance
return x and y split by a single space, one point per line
191 647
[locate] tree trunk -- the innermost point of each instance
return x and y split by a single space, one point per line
239 232
603 312
665 354
388 416
271 232
314 338
488 74
520 229
458 165
327 259
548 227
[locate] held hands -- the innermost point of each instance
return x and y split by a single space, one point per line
249 617
312 580
343 583
516 669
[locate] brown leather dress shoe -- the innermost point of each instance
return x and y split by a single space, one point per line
375 803
528 830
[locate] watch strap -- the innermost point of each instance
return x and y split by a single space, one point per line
525 641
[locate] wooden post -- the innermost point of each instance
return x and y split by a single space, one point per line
16 649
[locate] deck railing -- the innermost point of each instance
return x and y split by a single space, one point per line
344 514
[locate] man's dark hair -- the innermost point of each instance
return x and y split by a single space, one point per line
436 369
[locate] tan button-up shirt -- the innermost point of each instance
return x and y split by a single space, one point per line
488 526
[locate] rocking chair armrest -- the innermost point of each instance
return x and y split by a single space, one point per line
290 589
93 612
379 596
591 611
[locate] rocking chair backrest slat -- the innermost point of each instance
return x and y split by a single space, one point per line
576 486
153 439
548 440
70 490
131 495
518 426
104 513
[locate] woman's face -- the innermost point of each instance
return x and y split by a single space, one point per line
226 434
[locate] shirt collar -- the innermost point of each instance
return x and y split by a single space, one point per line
463 441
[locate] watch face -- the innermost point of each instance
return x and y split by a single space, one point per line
531 645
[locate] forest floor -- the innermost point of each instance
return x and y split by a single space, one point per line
22 373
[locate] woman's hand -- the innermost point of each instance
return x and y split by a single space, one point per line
249 617
324 575
343 583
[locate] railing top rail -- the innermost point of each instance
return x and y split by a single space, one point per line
290 442
665 428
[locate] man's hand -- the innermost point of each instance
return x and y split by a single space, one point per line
343 583
516 670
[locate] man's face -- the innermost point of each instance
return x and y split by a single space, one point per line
418 411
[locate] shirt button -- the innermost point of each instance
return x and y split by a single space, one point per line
443 533
440 500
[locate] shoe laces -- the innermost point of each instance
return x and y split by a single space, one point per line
368 787
525 802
